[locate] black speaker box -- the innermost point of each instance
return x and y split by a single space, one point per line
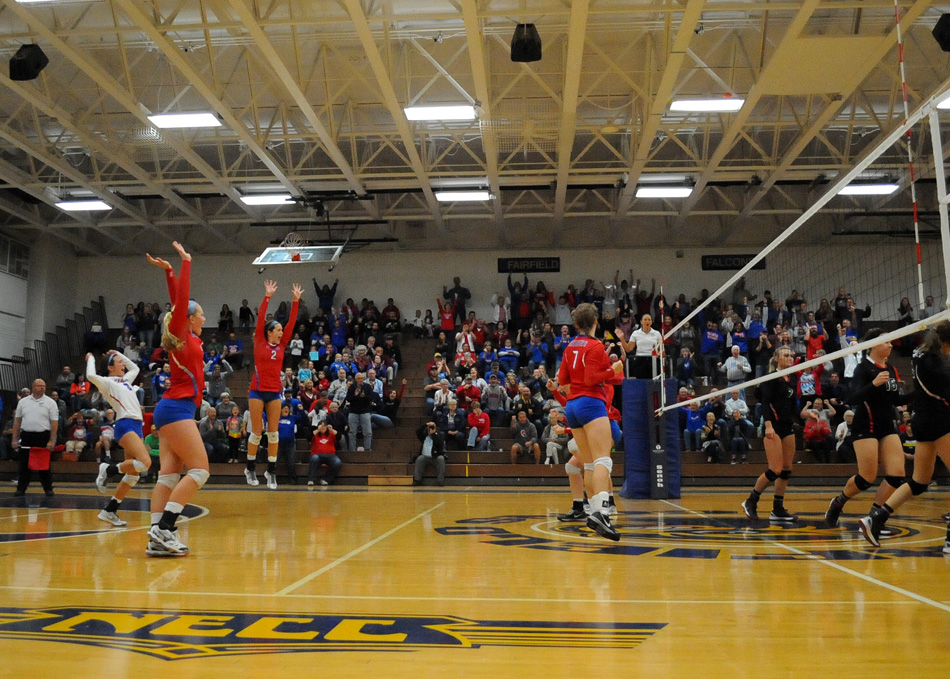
942 32
526 44
27 63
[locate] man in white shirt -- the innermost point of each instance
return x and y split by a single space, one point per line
34 426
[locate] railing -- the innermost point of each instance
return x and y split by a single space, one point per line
56 349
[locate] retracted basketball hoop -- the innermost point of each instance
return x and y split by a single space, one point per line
294 245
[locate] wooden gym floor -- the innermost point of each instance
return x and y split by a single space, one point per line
464 582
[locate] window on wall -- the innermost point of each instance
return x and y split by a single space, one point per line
14 257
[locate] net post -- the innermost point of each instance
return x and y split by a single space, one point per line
941 177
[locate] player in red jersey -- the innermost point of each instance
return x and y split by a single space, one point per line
270 342
578 484
180 444
586 367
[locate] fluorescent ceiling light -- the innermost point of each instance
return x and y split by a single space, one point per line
724 105
172 121
457 196
663 191
82 205
868 190
662 179
944 103
466 112
267 199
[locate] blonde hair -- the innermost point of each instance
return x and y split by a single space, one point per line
773 362
170 342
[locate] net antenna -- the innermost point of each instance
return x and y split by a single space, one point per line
294 244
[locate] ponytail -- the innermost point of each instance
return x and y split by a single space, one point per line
170 342
936 338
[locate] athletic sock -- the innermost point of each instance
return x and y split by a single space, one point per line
170 516
610 501
598 503
887 508
842 498
250 465
778 503
754 496
272 467
578 505
112 470
156 517
113 505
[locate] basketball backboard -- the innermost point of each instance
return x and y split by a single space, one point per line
310 254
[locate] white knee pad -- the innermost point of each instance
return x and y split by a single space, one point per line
572 446
254 439
273 437
139 466
605 462
588 466
199 476
571 469
130 479
169 480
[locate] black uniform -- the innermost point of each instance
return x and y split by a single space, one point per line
874 406
779 403
931 374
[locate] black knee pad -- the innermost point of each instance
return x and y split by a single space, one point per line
861 482
894 482
770 475
917 488
786 474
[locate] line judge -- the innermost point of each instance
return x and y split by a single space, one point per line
34 426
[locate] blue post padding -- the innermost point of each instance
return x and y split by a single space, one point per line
637 419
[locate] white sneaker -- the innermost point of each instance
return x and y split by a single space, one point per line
167 539
102 479
360 449
157 549
112 517
323 482
946 547
309 484
251 477
271 480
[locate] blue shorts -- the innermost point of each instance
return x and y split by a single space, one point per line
615 431
584 410
171 410
126 425
265 396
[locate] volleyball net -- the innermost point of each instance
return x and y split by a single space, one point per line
867 251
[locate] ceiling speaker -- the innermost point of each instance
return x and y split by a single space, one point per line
942 32
27 63
525 44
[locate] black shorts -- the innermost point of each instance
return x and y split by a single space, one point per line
929 426
783 429
863 432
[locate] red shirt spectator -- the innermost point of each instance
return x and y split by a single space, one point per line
481 422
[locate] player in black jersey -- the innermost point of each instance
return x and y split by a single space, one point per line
779 404
875 392
931 423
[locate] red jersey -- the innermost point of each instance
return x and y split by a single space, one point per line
585 366
481 422
188 363
447 314
323 444
269 358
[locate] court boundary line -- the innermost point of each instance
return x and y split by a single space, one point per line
317 573
477 599
831 564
